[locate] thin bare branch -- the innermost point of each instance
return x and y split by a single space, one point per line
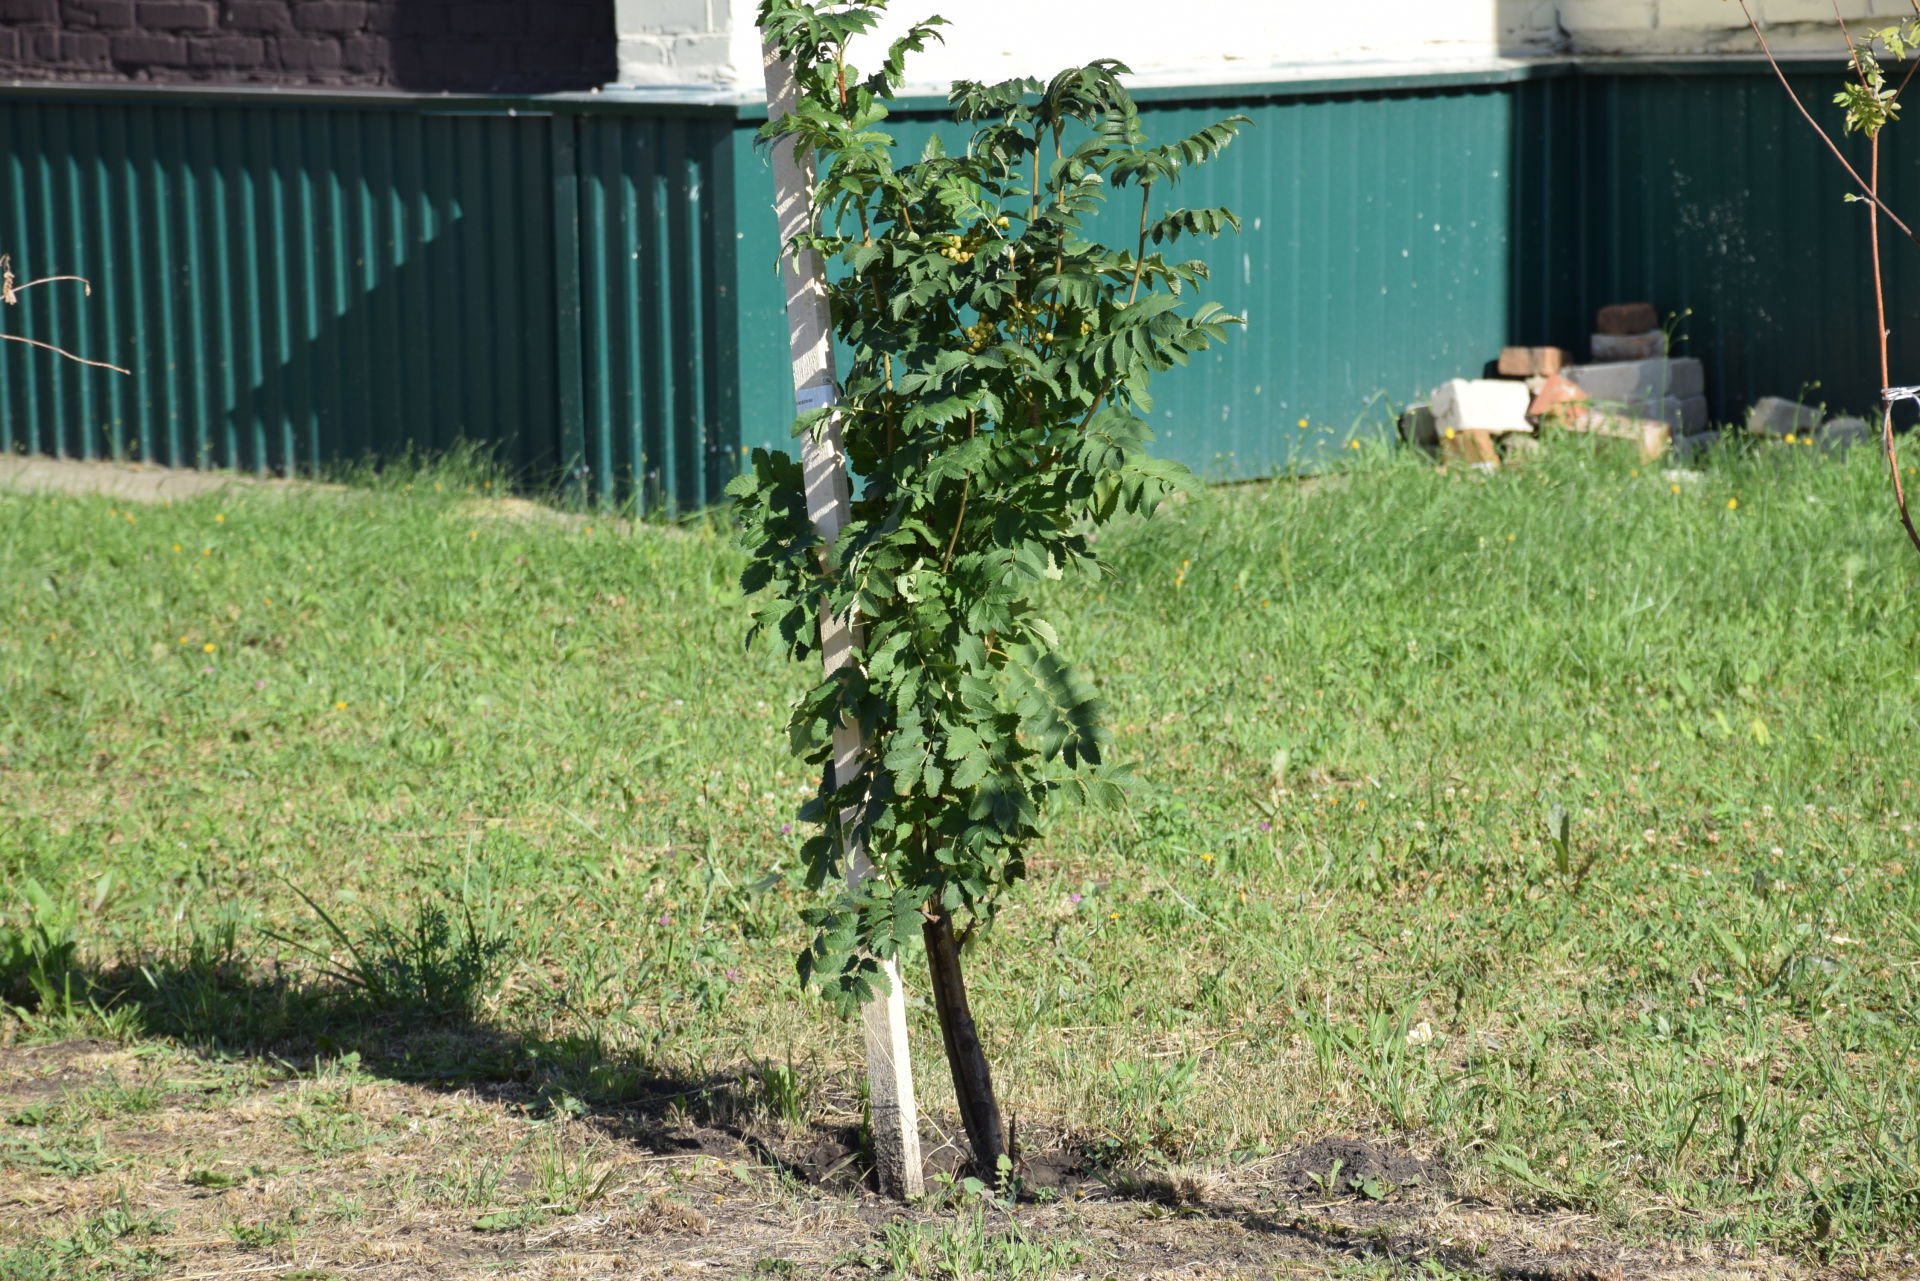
47 346
1867 192
1880 316
85 284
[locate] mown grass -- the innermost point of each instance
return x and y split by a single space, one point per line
1336 906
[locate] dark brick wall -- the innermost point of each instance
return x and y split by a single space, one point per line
505 46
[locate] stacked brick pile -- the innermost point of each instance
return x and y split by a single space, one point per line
1631 391
507 46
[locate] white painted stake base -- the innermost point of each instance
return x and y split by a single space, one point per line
890 1101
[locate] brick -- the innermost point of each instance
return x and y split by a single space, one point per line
259 17
1815 10
41 49
1844 433
445 64
99 15
145 50
175 15
1525 362
1692 446
1775 416
704 54
1650 436
663 18
1557 397
1480 404
29 11
1516 448
487 18
559 21
1416 426
334 17
1685 414
1634 381
1474 448
366 53
1648 346
406 20
85 51
228 53
308 54
1709 15
1627 318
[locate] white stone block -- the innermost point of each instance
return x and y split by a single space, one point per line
1637 381
1481 404
1651 345
1774 416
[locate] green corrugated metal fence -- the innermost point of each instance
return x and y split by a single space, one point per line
587 284
293 285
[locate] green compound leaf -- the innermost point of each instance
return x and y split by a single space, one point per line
993 413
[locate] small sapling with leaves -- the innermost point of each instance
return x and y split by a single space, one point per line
993 414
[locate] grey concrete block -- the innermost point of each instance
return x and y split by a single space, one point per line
1693 445
1684 414
1651 345
1630 382
1774 416
1416 425
1844 432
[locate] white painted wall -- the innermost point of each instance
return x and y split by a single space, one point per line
712 44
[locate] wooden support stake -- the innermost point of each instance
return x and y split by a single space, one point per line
896 1122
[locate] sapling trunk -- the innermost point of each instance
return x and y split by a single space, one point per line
972 1081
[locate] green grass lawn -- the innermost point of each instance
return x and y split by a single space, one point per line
238 734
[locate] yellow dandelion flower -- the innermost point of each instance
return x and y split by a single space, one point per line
1449 433
340 707
1206 858
176 547
473 533
206 551
1509 537
1732 503
183 640
1791 440
1353 444
1113 916
1673 489
1303 422
208 648
130 519
589 529
219 518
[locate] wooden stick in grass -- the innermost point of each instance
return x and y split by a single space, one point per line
896 1122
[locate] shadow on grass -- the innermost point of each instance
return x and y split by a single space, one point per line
218 1007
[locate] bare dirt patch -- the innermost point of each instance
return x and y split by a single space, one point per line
157 1162
130 482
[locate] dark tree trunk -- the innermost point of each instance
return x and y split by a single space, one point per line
972 1082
